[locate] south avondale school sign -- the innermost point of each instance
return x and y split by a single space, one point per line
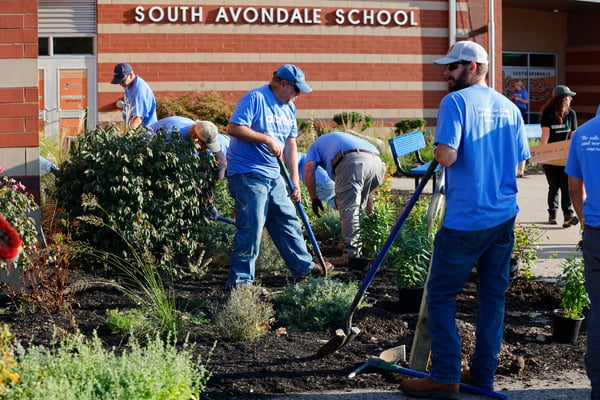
274 15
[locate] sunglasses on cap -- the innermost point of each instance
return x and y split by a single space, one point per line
454 65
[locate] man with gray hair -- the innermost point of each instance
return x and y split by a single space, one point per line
481 141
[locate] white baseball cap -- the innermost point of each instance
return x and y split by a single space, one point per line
464 51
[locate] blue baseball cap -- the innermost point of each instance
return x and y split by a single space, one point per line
291 73
121 71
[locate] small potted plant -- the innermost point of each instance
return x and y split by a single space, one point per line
410 256
567 320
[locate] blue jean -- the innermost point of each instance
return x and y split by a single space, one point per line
454 255
263 202
591 258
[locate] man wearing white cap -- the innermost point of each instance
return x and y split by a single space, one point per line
263 128
139 104
481 141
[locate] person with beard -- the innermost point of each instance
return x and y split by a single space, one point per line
559 121
481 141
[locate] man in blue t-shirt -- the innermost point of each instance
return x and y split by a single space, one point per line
584 186
355 167
325 186
204 135
262 129
139 104
520 97
481 141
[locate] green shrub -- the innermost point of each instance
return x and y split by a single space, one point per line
15 205
245 316
125 321
315 303
409 125
208 106
352 119
161 184
328 227
77 370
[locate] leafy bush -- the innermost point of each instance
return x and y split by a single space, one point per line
15 205
409 125
328 227
76 370
314 303
352 119
208 106
161 184
245 316
527 239
125 321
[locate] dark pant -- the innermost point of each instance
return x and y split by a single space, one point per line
558 180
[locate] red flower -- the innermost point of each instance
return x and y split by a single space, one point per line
10 242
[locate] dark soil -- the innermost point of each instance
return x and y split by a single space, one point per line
284 363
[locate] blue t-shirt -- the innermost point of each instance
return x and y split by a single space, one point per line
260 110
139 101
323 150
523 95
489 135
321 176
582 163
224 141
182 124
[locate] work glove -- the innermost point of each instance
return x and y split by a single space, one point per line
316 206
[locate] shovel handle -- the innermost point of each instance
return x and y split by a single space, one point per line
303 215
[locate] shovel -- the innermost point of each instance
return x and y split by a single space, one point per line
344 336
382 364
304 217
391 355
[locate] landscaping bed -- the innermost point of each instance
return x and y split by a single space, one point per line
282 361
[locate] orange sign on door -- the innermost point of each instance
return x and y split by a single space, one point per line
73 89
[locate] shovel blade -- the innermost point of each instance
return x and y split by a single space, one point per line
337 342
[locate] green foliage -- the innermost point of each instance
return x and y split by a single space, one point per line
161 184
411 252
15 205
269 260
352 120
527 239
76 370
245 316
314 303
210 106
8 363
374 227
125 321
574 297
328 227
141 281
409 125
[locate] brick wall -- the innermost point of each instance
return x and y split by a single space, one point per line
382 71
19 127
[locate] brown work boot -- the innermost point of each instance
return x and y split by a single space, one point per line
340 260
318 271
465 377
428 388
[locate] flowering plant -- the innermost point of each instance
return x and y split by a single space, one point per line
15 205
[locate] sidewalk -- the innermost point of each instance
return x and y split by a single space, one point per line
559 244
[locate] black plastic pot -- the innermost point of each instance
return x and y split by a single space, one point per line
565 329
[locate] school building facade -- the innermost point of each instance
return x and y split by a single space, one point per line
372 57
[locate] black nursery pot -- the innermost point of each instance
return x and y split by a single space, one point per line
564 329
409 299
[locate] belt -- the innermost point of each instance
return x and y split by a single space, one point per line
340 155
358 151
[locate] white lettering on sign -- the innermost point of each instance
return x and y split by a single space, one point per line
251 15
372 17
274 15
173 14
